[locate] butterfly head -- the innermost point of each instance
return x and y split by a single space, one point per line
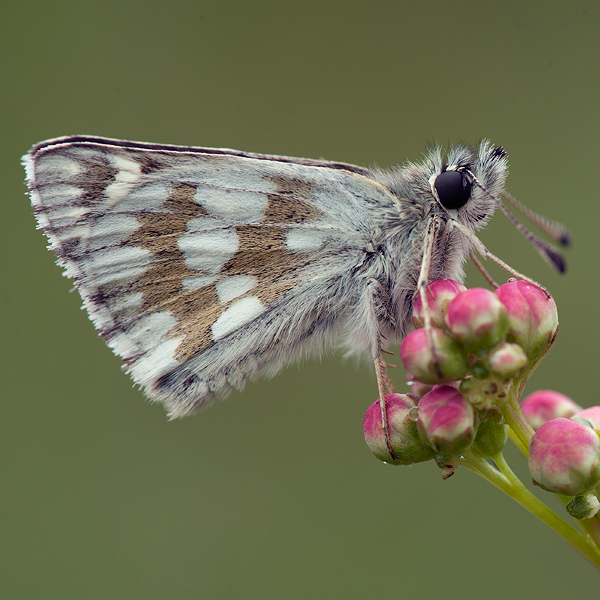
453 181
469 186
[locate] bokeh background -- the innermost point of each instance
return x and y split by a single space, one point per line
273 493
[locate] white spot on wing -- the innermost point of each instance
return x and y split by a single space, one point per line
127 302
195 283
115 264
149 337
56 193
208 245
240 206
129 171
204 224
232 173
156 362
50 166
237 315
305 240
70 233
147 197
232 287
110 230
65 215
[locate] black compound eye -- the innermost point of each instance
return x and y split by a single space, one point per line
453 189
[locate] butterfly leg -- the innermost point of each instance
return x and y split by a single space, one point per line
423 284
483 270
384 386
381 310
485 253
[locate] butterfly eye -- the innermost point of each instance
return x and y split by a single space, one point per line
453 189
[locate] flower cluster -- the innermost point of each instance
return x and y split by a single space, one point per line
468 360
483 339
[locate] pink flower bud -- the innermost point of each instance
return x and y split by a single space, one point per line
446 361
508 360
545 405
591 414
477 319
532 318
404 437
447 420
564 457
439 294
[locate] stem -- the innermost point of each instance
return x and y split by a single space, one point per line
520 433
517 442
590 526
504 479
517 421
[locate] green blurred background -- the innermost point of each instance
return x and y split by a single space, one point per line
273 493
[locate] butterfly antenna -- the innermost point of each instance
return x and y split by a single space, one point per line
553 229
556 231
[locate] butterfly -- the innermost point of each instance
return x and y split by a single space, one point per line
205 268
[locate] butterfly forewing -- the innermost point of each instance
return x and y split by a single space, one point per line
202 268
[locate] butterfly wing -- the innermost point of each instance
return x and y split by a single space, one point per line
204 268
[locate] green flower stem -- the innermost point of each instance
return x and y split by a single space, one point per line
520 433
514 416
504 479
517 442
590 526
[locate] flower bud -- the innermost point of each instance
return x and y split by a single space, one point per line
446 361
492 433
477 319
404 437
564 457
416 387
545 405
585 506
508 360
447 420
479 370
439 294
592 415
532 318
